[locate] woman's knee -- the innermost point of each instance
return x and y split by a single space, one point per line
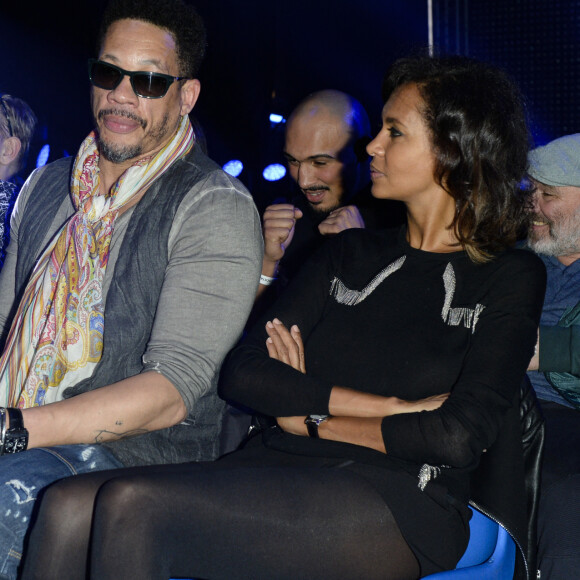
122 497
63 499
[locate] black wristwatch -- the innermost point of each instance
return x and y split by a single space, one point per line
312 422
16 439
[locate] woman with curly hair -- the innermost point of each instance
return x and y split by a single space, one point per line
391 364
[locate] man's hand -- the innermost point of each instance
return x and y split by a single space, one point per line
278 224
535 362
343 218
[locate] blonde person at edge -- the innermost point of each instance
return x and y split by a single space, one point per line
391 364
17 124
136 264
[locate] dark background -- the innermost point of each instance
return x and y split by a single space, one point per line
264 56
537 41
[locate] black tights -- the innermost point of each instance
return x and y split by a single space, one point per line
217 521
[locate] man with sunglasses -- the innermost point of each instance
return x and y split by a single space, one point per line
17 124
132 271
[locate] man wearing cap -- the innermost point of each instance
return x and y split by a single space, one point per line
555 368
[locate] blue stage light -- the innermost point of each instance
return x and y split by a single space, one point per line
233 167
274 172
43 156
275 118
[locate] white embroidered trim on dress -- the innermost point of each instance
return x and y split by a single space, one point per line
348 297
454 316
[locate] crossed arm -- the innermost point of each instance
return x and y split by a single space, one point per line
267 377
356 416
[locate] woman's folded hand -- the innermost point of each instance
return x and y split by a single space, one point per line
285 345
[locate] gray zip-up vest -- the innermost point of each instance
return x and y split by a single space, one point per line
131 302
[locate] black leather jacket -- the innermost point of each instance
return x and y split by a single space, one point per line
506 485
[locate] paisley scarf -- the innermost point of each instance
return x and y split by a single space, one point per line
56 338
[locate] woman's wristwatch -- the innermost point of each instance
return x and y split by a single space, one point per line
15 438
312 422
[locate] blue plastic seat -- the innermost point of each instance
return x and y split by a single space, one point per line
490 554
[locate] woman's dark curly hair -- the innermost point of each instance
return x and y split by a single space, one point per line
178 18
477 124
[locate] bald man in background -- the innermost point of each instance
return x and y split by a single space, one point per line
325 144
325 149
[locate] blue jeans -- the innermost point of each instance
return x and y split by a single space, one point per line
23 476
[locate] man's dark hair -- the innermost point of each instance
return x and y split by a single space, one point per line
478 130
178 18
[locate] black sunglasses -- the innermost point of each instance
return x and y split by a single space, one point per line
148 85
5 111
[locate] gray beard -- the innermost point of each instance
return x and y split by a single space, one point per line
552 247
563 238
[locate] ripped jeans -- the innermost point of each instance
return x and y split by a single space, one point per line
23 476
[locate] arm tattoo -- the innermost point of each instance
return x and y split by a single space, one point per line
106 435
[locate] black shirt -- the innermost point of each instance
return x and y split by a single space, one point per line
382 317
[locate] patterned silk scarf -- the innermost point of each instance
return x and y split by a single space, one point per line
56 338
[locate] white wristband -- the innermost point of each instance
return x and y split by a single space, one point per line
266 280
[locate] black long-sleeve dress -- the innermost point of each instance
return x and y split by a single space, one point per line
379 316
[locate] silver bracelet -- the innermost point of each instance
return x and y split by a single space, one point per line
266 280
